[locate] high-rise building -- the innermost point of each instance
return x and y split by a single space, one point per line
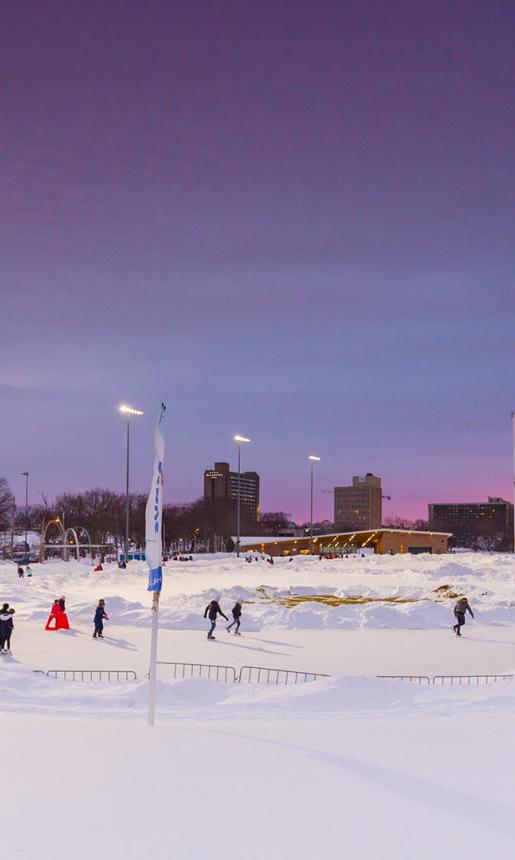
359 506
221 494
476 525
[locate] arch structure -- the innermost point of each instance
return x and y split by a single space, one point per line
73 540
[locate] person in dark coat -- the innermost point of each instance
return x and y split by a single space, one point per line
462 606
62 602
98 620
6 628
20 571
212 610
236 615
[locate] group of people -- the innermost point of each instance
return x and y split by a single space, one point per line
22 572
212 611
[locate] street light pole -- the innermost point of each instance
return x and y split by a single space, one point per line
513 441
313 459
129 412
26 476
239 439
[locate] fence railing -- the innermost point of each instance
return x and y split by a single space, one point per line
469 680
451 680
415 679
261 675
93 674
225 674
264 675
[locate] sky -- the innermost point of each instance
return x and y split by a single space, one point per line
290 220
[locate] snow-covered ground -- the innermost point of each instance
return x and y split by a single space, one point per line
424 582
344 766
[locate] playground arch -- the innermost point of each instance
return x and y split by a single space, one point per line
70 540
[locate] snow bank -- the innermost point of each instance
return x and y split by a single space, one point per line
427 584
25 691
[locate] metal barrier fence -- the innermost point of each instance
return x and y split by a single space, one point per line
469 680
415 679
263 675
451 680
225 674
93 674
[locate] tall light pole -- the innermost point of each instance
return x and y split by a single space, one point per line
26 476
513 439
313 459
239 439
129 412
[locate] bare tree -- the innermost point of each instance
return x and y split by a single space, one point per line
7 505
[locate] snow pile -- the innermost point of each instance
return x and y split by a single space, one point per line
26 691
416 592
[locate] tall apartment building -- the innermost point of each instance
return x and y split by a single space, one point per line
221 494
476 525
359 506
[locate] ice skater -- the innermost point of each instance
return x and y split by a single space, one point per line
236 615
6 628
100 616
20 572
462 606
212 610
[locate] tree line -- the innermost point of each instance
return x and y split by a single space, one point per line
102 513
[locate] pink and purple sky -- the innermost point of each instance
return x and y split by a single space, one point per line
292 220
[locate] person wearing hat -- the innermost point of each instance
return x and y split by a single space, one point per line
98 620
462 606
6 628
236 615
212 610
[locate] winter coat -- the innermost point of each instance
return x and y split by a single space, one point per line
213 609
100 615
462 606
62 604
6 622
236 612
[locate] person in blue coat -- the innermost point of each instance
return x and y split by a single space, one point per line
98 620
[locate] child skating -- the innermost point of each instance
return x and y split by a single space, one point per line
100 616
236 615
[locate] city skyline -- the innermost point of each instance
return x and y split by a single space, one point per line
292 221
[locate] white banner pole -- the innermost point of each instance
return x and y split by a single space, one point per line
154 555
153 659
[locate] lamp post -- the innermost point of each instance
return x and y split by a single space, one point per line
129 412
513 438
26 476
313 459
239 439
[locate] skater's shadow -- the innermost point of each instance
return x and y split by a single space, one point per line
489 641
273 642
233 644
120 643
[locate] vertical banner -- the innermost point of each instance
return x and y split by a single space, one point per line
154 553
154 511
